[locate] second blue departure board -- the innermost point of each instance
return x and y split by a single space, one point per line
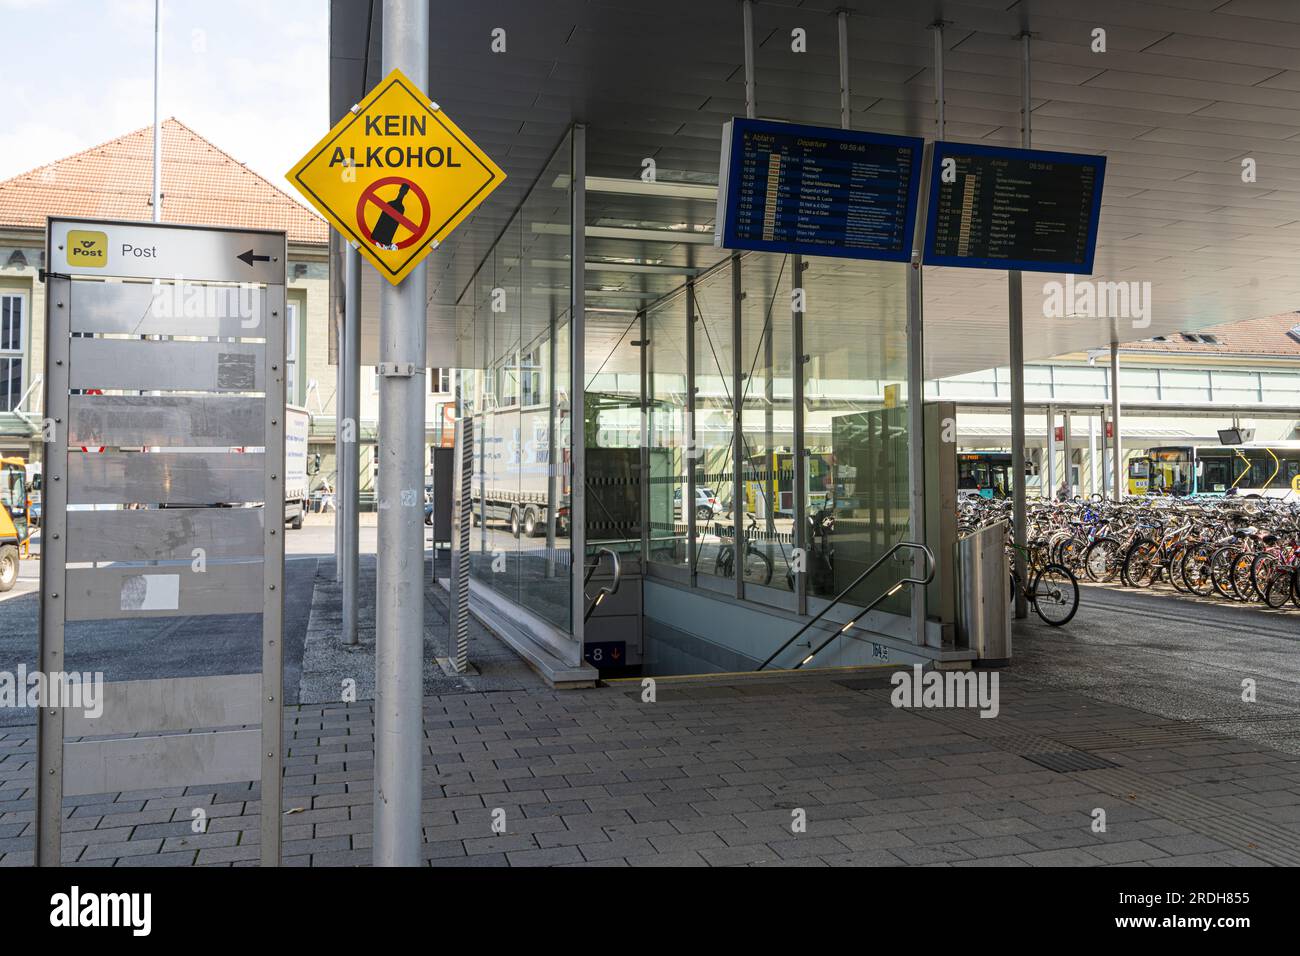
817 191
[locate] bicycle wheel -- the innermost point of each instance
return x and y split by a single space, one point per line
1196 571
1279 586
1175 566
1242 586
1055 595
1140 570
758 566
1099 561
1221 563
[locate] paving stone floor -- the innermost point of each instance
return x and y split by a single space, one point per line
715 772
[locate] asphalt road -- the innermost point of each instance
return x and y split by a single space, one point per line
171 647
1175 658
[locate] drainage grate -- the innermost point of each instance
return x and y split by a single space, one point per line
1068 761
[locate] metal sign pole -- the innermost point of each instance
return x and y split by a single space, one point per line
350 466
399 592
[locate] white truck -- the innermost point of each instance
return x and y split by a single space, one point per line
297 423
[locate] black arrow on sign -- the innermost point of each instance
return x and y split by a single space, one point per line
249 258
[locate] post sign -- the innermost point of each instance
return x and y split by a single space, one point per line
994 207
396 175
817 191
164 473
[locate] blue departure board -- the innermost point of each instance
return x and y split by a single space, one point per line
817 191
994 207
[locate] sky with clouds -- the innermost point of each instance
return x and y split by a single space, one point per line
251 76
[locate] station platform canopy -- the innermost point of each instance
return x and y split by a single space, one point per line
1185 91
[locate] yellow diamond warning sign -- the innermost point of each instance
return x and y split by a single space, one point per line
396 176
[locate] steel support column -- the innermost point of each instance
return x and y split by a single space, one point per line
738 539
1120 486
1016 332
1067 454
349 466
692 451
399 597
578 389
799 452
1051 453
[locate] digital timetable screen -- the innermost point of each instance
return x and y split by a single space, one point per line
1024 209
817 191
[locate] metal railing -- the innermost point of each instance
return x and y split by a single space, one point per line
890 592
606 591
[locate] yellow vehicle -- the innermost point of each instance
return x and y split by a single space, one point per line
14 533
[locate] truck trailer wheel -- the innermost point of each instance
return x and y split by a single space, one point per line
8 567
530 523
297 519
514 522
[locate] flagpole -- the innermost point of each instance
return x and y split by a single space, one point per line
157 133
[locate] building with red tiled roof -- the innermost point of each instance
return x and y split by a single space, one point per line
201 184
1274 336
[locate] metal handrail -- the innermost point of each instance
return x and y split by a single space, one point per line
607 590
894 589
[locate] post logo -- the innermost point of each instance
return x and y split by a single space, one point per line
87 248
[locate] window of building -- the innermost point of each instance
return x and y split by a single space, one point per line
291 346
440 381
13 332
1200 338
530 378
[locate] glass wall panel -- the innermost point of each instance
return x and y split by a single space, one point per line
714 466
517 391
855 431
506 506
669 444
767 423
543 370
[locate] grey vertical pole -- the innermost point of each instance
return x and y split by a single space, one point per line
747 8
842 25
1016 321
272 775
54 551
553 454
938 79
1051 452
1092 457
797 362
337 261
692 450
350 466
1117 439
1105 455
643 465
1019 511
157 130
399 592
916 430
738 539
578 388
1067 453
